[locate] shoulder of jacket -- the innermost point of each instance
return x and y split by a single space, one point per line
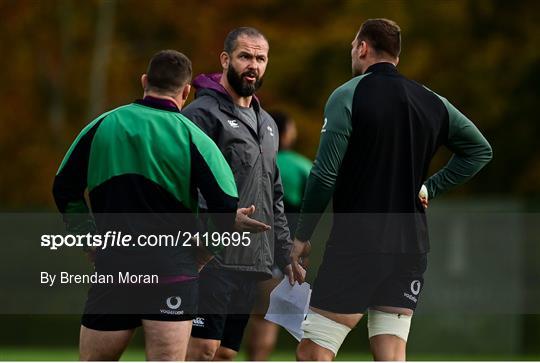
205 102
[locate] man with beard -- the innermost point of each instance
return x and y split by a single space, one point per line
379 135
226 109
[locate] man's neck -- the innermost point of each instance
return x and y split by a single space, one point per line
237 100
379 60
163 97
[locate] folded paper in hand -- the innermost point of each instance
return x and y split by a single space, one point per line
288 306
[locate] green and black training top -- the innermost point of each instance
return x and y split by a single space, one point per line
380 132
142 164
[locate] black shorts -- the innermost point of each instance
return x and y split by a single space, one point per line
351 284
225 302
123 307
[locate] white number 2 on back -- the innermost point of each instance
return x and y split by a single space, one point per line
324 125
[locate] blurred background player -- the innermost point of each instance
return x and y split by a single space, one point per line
293 166
294 169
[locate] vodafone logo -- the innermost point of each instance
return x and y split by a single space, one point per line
415 287
174 302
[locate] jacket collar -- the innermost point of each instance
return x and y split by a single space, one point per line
210 81
159 103
382 67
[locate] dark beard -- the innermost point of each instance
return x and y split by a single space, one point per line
242 88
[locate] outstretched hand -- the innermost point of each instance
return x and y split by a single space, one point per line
299 259
244 223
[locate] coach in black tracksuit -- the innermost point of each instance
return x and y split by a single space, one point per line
380 132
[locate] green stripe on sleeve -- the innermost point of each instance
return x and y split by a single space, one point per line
471 153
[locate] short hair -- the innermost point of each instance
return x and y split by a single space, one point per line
229 45
168 71
383 35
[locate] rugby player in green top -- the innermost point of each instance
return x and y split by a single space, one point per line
379 135
142 164
294 167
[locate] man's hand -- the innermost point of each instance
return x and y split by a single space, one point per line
299 259
202 257
288 271
423 195
245 224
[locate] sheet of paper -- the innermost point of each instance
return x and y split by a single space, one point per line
288 306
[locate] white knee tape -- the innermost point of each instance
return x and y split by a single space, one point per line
324 332
380 323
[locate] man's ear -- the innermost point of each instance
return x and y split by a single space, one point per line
363 48
185 92
224 59
144 81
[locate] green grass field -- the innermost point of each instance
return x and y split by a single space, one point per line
137 354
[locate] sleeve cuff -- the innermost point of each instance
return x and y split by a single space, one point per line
283 259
